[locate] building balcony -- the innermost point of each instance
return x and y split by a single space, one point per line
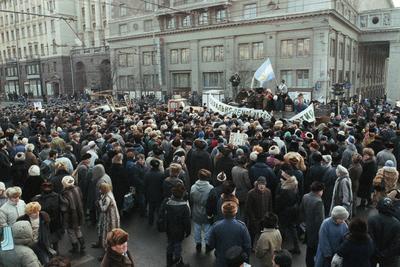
188 5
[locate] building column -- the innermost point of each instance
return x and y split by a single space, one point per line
195 75
393 77
229 59
320 55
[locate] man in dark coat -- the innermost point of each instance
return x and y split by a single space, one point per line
384 230
313 214
315 172
197 159
175 212
153 187
5 165
258 204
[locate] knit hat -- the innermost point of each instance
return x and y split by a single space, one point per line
20 156
68 181
274 150
339 212
278 123
34 170
389 163
261 180
221 177
2 186
239 151
350 140
229 208
341 171
253 156
314 145
327 158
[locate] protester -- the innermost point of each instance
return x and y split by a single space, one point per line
270 239
153 186
13 208
198 198
331 235
385 181
3 197
369 171
355 171
229 232
117 253
32 184
313 214
342 193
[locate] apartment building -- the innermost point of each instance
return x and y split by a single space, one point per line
184 46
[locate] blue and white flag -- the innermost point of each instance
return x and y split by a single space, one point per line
265 72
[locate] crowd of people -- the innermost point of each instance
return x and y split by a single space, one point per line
332 185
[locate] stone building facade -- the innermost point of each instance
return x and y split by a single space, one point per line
184 46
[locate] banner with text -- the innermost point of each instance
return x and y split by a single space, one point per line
306 115
225 109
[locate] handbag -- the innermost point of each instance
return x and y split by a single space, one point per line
337 261
129 202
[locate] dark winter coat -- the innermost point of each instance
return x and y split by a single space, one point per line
315 173
257 205
313 214
5 165
168 184
120 183
212 201
19 173
384 230
356 252
262 169
347 155
286 206
329 180
355 172
50 203
197 160
153 185
224 164
31 188
177 218
113 259
56 180
368 174
72 207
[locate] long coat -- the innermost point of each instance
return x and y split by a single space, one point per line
257 205
197 160
367 176
313 214
109 216
32 187
269 241
120 183
342 194
72 207
240 177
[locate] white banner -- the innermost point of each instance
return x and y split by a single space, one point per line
37 105
225 109
306 115
238 139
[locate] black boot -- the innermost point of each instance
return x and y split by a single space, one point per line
97 244
170 260
75 248
82 244
180 263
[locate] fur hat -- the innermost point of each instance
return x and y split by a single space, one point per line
314 145
68 181
34 170
389 163
350 140
29 147
2 186
229 208
339 212
341 171
14 191
253 156
274 150
20 156
221 177
327 158
261 180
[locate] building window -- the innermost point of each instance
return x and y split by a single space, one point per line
348 53
42 49
354 54
244 51
219 53
33 69
148 25
40 29
286 48
332 48
207 53
186 21
341 50
212 79
170 23
125 59
185 56
122 10
220 15
149 5
203 18
250 11
181 80
28 31
340 76
258 50
94 12
302 78
287 75
11 71
303 47
52 26
123 28
174 56
34 30
147 58
150 81
123 82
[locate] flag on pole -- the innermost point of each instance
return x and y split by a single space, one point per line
265 72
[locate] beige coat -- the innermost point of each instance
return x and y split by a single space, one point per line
269 241
390 177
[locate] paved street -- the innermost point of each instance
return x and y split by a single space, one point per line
148 247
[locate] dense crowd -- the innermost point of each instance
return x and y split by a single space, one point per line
332 185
